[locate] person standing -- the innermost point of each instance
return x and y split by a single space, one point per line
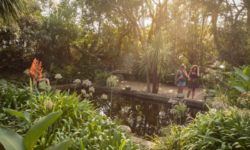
110 67
180 79
193 81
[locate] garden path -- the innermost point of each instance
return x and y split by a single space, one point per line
164 89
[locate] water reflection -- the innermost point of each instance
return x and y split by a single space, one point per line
144 118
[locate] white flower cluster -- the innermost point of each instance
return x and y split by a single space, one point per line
104 97
27 72
58 76
92 89
87 95
77 81
49 104
112 81
83 91
86 83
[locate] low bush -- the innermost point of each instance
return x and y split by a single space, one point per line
101 78
227 129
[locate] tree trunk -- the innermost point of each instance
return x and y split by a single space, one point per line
248 18
247 5
215 14
155 80
144 48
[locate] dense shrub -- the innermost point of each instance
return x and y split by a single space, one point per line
101 78
228 129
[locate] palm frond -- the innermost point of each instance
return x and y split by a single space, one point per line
11 9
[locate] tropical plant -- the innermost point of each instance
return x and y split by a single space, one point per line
101 78
13 141
79 122
227 129
238 81
10 9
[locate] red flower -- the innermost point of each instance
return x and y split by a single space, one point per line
36 70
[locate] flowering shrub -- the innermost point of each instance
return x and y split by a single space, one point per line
77 81
112 81
104 97
58 76
86 83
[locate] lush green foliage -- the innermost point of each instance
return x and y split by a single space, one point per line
79 122
238 81
227 129
13 141
235 83
11 96
101 78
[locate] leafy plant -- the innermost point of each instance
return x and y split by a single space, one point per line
227 129
13 141
101 78
80 122
11 96
238 81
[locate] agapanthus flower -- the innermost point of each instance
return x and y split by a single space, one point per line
112 81
77 81
83 91
90 94
86 83
92 89
58 76
49 104
86 95
36 70
27 72
104 96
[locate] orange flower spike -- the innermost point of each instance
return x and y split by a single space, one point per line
36 70
33 68
39 71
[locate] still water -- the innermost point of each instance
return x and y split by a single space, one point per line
145 118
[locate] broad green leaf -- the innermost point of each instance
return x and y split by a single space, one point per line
23 115
11 140
61 146
238 70
37 129
246 71
245 77
241 89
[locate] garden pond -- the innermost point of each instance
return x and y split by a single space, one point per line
144 117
